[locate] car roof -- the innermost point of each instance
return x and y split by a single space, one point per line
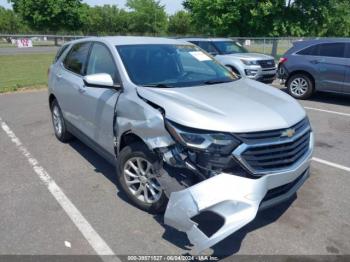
202 39
309 42
132 40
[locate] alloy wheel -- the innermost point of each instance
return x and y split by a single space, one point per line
141 181
299 86
57 120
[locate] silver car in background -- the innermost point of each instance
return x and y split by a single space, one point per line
186 135
232 54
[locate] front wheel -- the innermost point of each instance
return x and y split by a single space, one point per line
300 86
59 124
137 176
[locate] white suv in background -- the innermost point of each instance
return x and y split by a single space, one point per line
232 54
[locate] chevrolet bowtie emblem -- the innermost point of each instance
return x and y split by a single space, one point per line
288 133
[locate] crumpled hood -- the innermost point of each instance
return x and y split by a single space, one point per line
240 106
252 56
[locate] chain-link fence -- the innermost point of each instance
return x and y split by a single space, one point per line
268 45
265 45
37 40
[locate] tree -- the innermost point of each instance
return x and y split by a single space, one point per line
238 17
271 17
147 16
103 20
10 22
50 15
339 24
323 17
180 23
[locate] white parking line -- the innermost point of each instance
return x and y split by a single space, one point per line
327 111
94 239
325 162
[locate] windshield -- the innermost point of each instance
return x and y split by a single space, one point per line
229 47
172 66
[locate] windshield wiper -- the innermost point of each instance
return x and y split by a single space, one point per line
159 85
213 82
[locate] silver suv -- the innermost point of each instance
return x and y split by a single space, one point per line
232 54
186 135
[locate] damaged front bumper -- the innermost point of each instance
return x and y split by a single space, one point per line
236 200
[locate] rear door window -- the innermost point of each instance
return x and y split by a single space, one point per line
347 53
76 59
332 49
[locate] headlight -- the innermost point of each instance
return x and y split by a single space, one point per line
249 62
203 140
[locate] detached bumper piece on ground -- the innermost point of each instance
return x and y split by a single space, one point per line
230 202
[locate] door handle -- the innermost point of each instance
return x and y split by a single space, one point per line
59 75
314 61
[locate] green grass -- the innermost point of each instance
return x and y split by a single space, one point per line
24 71
3 44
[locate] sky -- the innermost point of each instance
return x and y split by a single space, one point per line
171 6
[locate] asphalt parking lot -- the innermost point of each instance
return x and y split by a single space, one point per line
34 222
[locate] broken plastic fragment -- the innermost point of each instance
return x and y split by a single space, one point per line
235 199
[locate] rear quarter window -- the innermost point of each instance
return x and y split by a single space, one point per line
60 52
312 50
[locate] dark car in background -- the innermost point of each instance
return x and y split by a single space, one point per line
316 65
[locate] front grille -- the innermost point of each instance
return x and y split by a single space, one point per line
273 135
267 63
281 190
268 151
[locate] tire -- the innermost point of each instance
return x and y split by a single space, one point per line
300 86
141 182
59 124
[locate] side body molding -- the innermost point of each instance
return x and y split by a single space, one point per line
236 199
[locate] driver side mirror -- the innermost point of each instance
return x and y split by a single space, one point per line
100 81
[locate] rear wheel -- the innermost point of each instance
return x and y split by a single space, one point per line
59 124
300 86
137 176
